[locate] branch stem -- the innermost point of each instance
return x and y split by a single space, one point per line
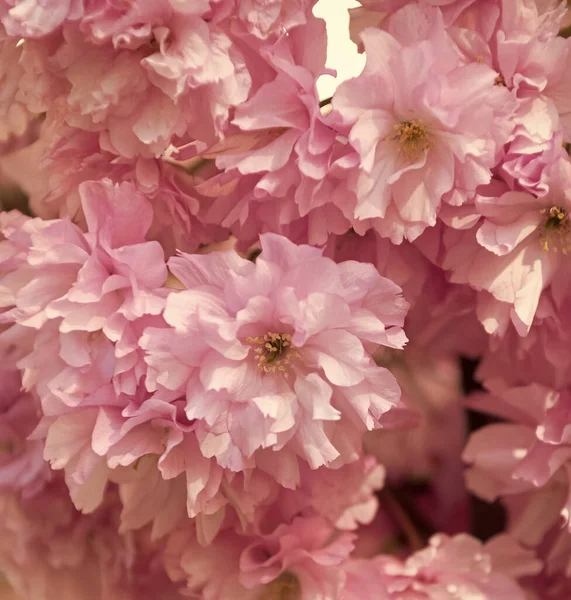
414 539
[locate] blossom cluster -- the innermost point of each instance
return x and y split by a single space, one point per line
237 318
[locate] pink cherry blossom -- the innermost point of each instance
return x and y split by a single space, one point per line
416 120
247 348
49 551
76 156
267 20
206 389
279 170
291 545
477 18
22 468
460 566
124 90
448 568
82 277
542 356
35 18
528 452
140 89
519 247
297 559
18 127
88 298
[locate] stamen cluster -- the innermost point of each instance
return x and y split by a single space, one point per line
413 138
275 352
556 229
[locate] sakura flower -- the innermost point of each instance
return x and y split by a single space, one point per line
87 297
18 128
519 249
543 356
211 67
459 567
448 568
194 402
279 168
87 273
427 127
123 104
528 453
36 19
301 559
269 20
50 551
295 544
531 58
142 91
473 18
273 358
518 40
76 156
344 496
22 467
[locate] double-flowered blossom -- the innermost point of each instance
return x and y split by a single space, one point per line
22 468
252 365
519 249
281 168
48 550
524 461
86 298
527 456
460 567
76 156
477 18
301 559
138 73
127 23
261 344
295 548
17 125
84 283
427 124
274 357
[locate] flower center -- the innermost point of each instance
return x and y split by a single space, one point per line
6 447
274 352
285 587
412 137
500 80
556 230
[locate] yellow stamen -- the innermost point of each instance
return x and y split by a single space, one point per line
555 232
285 587
6 447
412 137
500 80
274 352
